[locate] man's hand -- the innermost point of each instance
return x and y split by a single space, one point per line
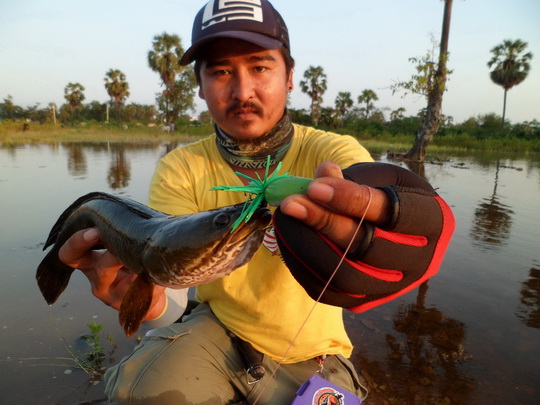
109 279
334 206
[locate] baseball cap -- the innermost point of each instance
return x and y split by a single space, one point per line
254 21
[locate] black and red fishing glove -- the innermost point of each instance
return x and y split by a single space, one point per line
391 260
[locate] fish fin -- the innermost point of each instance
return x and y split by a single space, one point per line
57 227
52 276
138 209
136 303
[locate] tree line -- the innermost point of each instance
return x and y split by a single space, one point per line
510 65
172 103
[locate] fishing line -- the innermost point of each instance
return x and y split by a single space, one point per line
318 298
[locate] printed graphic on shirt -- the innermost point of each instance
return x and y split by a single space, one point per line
218 11
327 396
270 241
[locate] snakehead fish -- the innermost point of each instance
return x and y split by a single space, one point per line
173 251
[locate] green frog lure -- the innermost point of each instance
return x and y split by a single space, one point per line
272 189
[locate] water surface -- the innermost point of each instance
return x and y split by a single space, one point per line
470 335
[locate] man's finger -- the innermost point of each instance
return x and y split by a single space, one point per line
348 198
78 245
328 169
339 228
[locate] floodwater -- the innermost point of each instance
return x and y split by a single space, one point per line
470 335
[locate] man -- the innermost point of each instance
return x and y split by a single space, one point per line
259 314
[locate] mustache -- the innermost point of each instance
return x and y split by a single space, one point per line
240 106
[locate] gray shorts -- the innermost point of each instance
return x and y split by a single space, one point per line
195 362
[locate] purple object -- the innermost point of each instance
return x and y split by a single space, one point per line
318 391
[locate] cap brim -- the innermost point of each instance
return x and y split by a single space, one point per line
255 38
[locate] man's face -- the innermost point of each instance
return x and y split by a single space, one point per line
245 87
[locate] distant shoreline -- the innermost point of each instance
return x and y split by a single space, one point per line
17 133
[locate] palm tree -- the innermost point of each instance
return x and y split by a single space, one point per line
511 66
343 103
117 88
314 86
73 93
165 56
164 59
367 97
397 114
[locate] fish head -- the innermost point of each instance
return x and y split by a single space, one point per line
203 247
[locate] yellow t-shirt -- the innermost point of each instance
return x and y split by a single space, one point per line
260 302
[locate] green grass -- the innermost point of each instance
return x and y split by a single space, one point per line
13 133
451 143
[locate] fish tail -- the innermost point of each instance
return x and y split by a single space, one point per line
52 276
135 304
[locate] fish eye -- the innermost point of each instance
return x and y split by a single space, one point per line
222 220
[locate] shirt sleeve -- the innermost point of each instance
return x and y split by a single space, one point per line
177 300
171 188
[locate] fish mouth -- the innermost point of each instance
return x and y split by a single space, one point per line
259 222
246 239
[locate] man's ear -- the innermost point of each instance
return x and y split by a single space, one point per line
290 83
201 93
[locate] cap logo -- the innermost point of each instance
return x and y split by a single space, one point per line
218 11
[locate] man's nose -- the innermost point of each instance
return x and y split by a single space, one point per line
243 86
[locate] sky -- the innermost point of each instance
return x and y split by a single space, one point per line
361 44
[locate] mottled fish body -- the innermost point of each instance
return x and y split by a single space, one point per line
173 251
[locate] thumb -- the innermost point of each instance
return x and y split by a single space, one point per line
328 169
78 245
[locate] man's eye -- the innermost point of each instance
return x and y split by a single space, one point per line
222 72
260 69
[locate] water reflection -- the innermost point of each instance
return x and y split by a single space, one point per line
492 220
172 145
422 359
119 172
416 167
76 160
116 154
529 310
